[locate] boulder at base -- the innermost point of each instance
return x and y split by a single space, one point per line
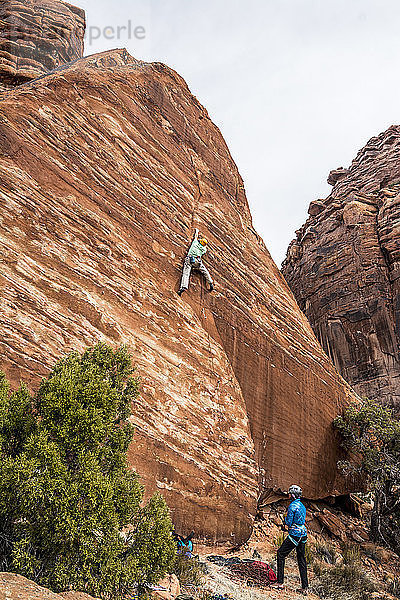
16 587
169 588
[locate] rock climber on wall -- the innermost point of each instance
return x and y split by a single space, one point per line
193 260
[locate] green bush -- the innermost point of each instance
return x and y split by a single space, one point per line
371 432
71 514
188 570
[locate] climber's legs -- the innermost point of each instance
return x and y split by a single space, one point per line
203 270
187 268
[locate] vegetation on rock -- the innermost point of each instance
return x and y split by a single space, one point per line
189 571
345 580
71 514
372 434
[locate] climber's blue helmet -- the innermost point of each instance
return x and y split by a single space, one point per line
296 491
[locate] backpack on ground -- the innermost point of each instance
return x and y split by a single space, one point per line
255 572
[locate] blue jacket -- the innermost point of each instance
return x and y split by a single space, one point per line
296 519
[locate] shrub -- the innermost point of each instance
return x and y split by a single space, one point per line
325 551
66 492
278 541
188 570
346 581
372 434
308 554
351 553
343 582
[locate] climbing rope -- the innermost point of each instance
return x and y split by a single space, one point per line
199 195
215 395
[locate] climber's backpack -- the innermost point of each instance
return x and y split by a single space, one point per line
270 573
255 572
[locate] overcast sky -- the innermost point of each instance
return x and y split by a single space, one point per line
296 86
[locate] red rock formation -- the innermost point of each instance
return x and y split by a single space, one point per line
105 169
171 588
344 269
16 587
37 36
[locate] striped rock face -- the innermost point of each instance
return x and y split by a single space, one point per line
344 269
106 168
37 36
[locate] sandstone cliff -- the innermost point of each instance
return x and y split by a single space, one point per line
106 166
344 269
37 36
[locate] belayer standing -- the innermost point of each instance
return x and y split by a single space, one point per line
194 260
295 521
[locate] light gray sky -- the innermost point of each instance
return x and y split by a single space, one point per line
296 86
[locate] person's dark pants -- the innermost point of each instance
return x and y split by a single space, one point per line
284 551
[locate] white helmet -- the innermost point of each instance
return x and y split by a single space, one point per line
296 491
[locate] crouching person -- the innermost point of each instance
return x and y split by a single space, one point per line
295 522
194 260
